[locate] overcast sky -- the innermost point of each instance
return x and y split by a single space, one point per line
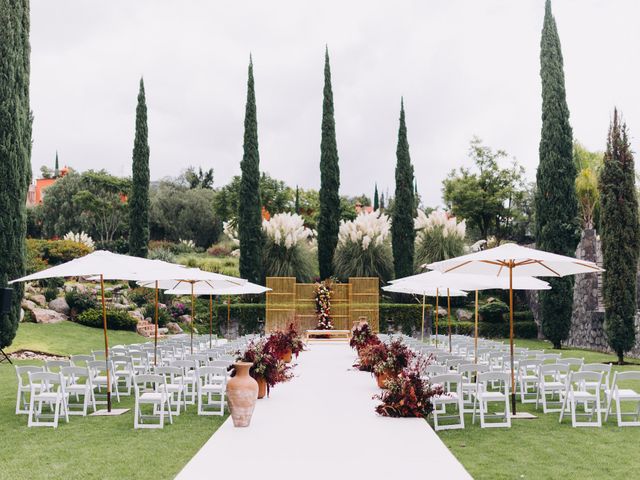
464 67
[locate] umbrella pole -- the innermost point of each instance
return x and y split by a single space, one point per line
193 316
106 343
449 317
513 375
228 314
210 319
437 291
422 330
476 333
155 339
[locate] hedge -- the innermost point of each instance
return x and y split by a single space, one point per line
116 319
496 330
43 253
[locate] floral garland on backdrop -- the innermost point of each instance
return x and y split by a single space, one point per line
323 293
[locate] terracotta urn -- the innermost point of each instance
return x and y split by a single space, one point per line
242 392
288 355
381 378
262 387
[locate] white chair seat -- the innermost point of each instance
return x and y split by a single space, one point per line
491 396
582 396
212 388
152 397
554 385
627 394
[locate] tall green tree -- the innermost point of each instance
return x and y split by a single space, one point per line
403 234
297 204
329 219
620 234
15 153
249 203
376 199
56 171
555 200
139 199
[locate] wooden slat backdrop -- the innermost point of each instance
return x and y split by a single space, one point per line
295 302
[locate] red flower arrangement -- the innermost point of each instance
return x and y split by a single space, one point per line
362 336
407 395
323 294
399 355
282 343
265 366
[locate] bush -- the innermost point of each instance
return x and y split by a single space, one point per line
119 245
496 330
43 253
406 317
162 254
50 293
523 316
116 319
219 250
164 317
141 296
80 301
493 312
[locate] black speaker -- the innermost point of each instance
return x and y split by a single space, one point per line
6 297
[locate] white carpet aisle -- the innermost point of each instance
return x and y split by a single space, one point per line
321 425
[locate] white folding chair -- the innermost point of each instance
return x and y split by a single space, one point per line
549 386
528 380
81 360
47 389
188 379
452 396
150 389
484 397
469 374
24 386
212 385
54 366
78 384
583 388
174 386
619 395
123 372
98 370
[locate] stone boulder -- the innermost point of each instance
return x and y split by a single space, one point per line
28 305
163 331
185 319
442 312
137 315
60 305
38 299
464 315
174 328
43 315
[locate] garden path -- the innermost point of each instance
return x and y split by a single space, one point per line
322 425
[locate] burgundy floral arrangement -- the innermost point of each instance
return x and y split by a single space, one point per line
362 336
265 365
371 355
407 395
282 341
323 293
399 355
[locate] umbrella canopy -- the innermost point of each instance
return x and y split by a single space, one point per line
416 289
525 262
203 289
195 277
436 279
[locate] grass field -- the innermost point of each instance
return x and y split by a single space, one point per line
543 448
90 447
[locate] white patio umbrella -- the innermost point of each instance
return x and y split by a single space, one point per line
416 289
508 261
193 277
103 265
247 289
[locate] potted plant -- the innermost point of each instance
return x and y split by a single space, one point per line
285 344
397 357
362 336
267 369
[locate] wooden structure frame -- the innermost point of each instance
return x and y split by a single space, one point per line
291 302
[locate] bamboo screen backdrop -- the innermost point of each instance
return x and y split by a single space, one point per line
289 302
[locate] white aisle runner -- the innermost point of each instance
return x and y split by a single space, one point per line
322 425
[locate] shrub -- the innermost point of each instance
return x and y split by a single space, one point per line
164 317
116 319
80 301
119 245
162 254
407 317
438 237
493 312
219 250
496 330
523 316
141 296
43 253
50 293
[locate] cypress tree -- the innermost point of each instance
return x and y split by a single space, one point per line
402 230
376 199
297 205
15 153
249 204
382 202
56 170
139 199
555 197
619 231
329 218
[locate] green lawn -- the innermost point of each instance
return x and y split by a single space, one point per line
543 448
90 447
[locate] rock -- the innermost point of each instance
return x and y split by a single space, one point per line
60 305
137 315
464 315
28 305
173 327
442 312
43 315
163 331
21 315
119 306
38 298
185 319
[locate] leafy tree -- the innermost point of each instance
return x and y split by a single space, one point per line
620 234
588 165
139 199
93 201
376 198
486 199
249 204
555 200
329 219
15 153
402 232
46 172
198 179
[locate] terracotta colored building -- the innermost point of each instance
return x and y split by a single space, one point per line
36 192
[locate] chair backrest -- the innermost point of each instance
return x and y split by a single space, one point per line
168 372
75 375
598 367
22 372
549 357
529 366
434 369
147 382
469 370
78 360
99 366
213 374
55 365
551 371
449 381
503 378
580 380
98 354
45 381
185 365
122 361
572 362
625 376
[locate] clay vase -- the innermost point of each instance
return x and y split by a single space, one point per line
288 355
242 392
262 387
381 378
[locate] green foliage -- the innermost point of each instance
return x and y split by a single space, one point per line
488 200
118 245
149 311
493 312
555 199
223 265
80 301
177 212
92 201
588 165
436 241
50 293
496 330
139 199
34 221
620 235
249 203
116 319
163 254
351 260
199 179
376 199
329 218
141 296
15 153
406 317
402 232
296 261
41 254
